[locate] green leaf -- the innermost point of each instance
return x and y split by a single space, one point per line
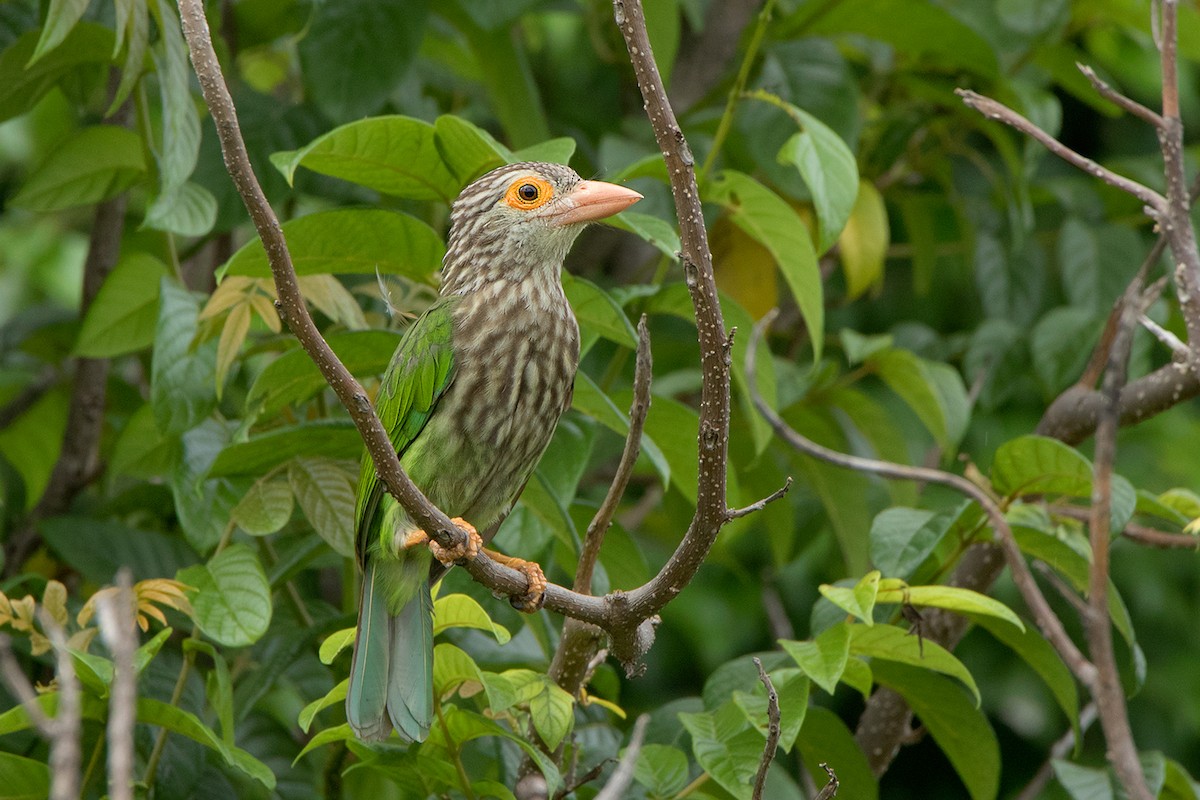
94 164
33 442
230 597
597 311
189 210
468 150
1042 658
661 769
87 47
335 643
324 488
726 746
931 36
462 726
556 151
823 659
1097 262
889 643
182 379
960 729
293 377
123 316
953 598
652 230
338 733
463 611
552 710
202 504
858 601
180 147
902 538
334 696
1040 465
825 163
61 17
932 390
864 241
354 53
351 241
1083 783
588 399
1060 344
141 450
24 778
329 438
770 221
266 507
218 686
393 155
99 547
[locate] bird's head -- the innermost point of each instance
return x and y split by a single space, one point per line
520 220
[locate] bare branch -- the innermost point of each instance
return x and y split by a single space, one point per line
1047 621
735 513
22 689
773 731
622 776
995 110
600 523
1116 98
64 743
116 617
831 788
1107 690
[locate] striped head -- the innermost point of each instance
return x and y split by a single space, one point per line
518 222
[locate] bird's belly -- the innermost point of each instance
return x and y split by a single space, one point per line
495 421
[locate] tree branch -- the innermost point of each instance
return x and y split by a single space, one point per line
116 617
622 776
993 109
773 731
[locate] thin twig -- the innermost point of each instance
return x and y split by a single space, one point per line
1116 98
773 731
601 522
831 788
993 109
1048 622
1107 690
116 617
1142 534
65 756
759 505
622 776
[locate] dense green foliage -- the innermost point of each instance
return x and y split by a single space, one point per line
942 280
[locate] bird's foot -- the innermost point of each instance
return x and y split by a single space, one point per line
463 552
535 595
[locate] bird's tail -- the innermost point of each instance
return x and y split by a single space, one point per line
391 676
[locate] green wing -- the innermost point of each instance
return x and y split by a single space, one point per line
421 370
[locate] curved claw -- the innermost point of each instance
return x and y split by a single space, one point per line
535 578
463 552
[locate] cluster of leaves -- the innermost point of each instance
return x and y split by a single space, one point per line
916 249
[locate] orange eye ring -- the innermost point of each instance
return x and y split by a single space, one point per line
528 193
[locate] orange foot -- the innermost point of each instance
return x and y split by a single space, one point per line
449 556
533 599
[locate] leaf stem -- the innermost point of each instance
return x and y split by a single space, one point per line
455 755
735 93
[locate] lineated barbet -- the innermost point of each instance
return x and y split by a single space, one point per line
470 400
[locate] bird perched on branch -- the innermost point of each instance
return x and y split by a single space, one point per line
470 400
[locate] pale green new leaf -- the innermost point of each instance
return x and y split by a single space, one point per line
123 316
889 643
230 596
463 611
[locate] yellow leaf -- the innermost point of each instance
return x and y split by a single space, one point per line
82 640
232 337
54 600
23 613
745 270
586 699
328 296
265 308
38 644
864 241
230 293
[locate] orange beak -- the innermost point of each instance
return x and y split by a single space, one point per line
593 200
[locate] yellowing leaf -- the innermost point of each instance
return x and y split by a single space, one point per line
233 334
864 241
744 269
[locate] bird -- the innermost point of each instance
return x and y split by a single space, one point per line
470 400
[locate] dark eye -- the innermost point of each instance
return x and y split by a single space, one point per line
528 192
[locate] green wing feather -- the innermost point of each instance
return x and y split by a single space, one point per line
421 370
391 675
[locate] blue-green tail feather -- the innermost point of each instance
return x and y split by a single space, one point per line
391 676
